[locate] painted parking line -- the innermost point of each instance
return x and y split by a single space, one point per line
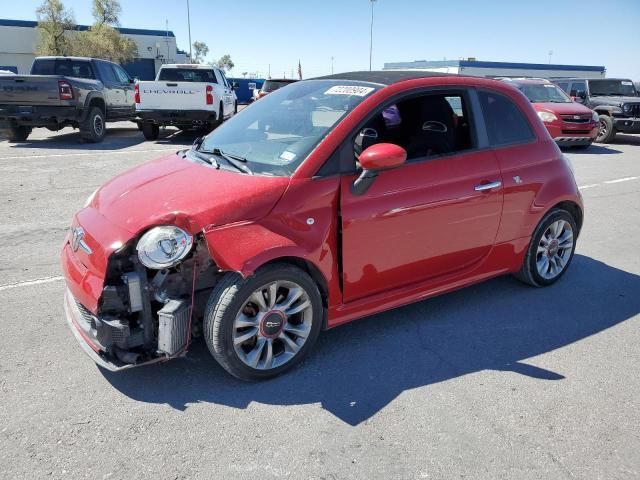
95 152
608 182
28 283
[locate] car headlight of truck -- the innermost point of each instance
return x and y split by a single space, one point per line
547 116
595 116
164 247
626 108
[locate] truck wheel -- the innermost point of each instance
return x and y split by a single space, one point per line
93 129
19 133
262 326
607 131
235 108
220 115
150 131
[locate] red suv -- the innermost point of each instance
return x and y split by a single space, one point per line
569 123
329 200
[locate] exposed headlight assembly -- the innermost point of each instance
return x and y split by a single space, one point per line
164 247
626 107
595 116
547 116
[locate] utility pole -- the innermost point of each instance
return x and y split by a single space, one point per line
332 65
371 35
550 53
189 26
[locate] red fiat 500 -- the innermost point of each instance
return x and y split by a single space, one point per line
328 200
569 123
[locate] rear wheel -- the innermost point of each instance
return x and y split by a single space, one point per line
19 133
93 128
551 249
150 131
262 326
220 115
607 131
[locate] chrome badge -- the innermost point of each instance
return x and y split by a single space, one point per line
77 240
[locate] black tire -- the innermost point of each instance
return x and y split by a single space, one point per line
229 295
220 115
235 108
151 131
529 271
94 127
18 133
607 131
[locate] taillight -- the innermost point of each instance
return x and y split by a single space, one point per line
65 90
136 89
261 94
209 95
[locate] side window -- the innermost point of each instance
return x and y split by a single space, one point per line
106 73
564 86
123 77
578 88
425 126
218 77
74 68
506 124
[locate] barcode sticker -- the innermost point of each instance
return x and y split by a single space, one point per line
349 90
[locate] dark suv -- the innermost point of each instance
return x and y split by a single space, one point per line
615 100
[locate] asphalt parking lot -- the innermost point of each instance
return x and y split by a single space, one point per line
498 381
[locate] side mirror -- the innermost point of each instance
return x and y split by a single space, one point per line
377 158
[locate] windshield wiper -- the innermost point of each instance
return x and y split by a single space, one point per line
234 160
205 157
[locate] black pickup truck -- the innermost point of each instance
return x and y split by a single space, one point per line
615 100
83 93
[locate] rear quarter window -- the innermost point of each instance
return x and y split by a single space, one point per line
506 124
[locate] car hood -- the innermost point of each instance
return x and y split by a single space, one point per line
615 101
562 108
192 195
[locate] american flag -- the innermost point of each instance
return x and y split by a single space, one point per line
299 70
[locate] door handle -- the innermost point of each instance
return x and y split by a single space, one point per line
488 186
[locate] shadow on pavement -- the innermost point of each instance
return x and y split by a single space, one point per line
593 149
357 369
626 139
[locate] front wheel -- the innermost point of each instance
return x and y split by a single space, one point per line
262 326
607 131
551 249
19 133
150 131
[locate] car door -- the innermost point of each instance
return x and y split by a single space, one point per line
113 94
225 93
437 214
126 85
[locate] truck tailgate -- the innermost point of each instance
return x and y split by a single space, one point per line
29 90
164 95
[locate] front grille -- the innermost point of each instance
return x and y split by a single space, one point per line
577 118
634 109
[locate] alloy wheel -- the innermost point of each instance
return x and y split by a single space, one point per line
272 325
554 249
98 125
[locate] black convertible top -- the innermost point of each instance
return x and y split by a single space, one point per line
384 77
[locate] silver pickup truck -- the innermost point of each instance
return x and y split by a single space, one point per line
83 93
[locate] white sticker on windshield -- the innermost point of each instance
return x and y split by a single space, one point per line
349 90
626 83
288 156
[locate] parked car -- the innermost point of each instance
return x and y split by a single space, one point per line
326 201
185 96
80 92
615 100
271 85
569 123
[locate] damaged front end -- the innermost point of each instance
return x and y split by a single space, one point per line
143 315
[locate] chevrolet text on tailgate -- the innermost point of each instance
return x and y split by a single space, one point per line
186 96
79 92
328 200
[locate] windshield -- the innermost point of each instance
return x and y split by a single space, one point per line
612 87
544 93
273 85
187 75
276 134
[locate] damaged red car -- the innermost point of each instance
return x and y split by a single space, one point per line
328 200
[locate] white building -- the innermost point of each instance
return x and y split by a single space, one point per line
500 69
18 40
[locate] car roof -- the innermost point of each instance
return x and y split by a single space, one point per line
385 77
608 78
281 80
195 66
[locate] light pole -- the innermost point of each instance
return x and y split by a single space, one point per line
371 35
189 26
331 65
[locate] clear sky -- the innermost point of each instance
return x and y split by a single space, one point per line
257 33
